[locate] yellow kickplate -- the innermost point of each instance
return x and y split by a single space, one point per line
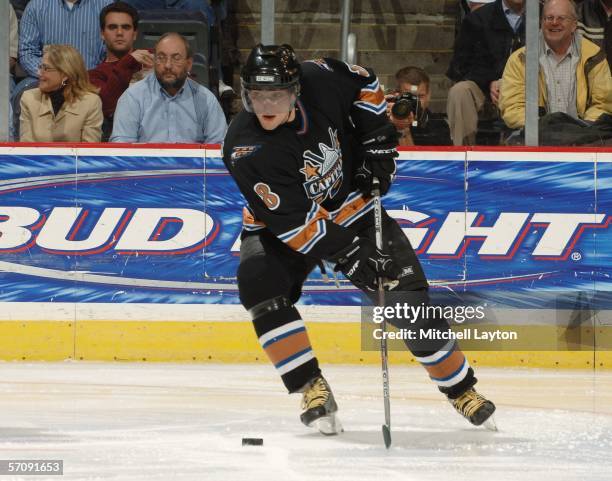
176 341
36 340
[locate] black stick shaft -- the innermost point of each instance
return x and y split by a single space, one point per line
384 355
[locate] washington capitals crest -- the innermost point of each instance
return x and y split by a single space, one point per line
323 172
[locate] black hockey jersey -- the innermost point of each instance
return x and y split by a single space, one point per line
298 178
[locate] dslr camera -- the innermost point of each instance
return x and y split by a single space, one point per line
408 103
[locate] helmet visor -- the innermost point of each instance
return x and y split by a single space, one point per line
272 101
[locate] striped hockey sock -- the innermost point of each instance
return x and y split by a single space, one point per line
447 367
287 345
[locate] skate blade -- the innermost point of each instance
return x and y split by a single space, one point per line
490 424
328 425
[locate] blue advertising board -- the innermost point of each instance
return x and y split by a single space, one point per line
110 226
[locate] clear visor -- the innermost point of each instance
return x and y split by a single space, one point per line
269 101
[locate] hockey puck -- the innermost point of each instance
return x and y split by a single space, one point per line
252 441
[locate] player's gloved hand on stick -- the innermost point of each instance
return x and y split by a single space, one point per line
378 154
362 263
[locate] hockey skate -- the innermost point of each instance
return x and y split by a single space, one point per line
475 408
320 407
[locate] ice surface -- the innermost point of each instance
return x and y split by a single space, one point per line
186 421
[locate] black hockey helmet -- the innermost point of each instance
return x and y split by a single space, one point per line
271 66
270 80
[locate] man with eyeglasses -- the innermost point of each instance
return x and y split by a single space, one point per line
574 75
168 107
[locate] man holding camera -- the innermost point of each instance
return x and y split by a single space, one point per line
407 108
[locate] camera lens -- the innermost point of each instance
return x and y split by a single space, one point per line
401 109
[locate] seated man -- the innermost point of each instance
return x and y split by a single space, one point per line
487 37
167 106
595 24
574 75
412 119
123 65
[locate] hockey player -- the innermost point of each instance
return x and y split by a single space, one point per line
304 153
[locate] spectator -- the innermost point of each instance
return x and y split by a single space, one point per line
123 64
46 22
486 39
167 106
430 129
65 107
595 24
574 75
13 43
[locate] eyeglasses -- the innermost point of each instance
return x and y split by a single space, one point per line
560 19
45 68
175 59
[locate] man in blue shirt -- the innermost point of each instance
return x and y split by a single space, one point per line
167 106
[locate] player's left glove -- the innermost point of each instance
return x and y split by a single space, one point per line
378 154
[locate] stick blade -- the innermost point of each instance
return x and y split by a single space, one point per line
386 435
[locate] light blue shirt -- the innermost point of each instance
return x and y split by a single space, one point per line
514 19
147 113
47 22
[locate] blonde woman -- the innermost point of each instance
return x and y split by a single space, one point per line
65 107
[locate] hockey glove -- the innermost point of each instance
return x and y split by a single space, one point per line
362 264
378 154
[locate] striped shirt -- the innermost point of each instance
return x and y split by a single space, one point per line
47 22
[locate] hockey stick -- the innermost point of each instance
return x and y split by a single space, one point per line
386 428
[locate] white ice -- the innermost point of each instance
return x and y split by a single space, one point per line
186 421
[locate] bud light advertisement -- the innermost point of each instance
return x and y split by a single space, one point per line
112 225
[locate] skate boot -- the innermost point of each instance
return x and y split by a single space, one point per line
475 408
320 407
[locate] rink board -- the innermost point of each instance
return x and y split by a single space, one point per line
130 253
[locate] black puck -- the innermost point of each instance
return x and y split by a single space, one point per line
252 441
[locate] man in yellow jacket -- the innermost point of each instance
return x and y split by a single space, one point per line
574 75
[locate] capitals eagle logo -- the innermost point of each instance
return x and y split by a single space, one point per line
323 172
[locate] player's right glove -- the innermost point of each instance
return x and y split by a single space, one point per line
362 264
378 154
